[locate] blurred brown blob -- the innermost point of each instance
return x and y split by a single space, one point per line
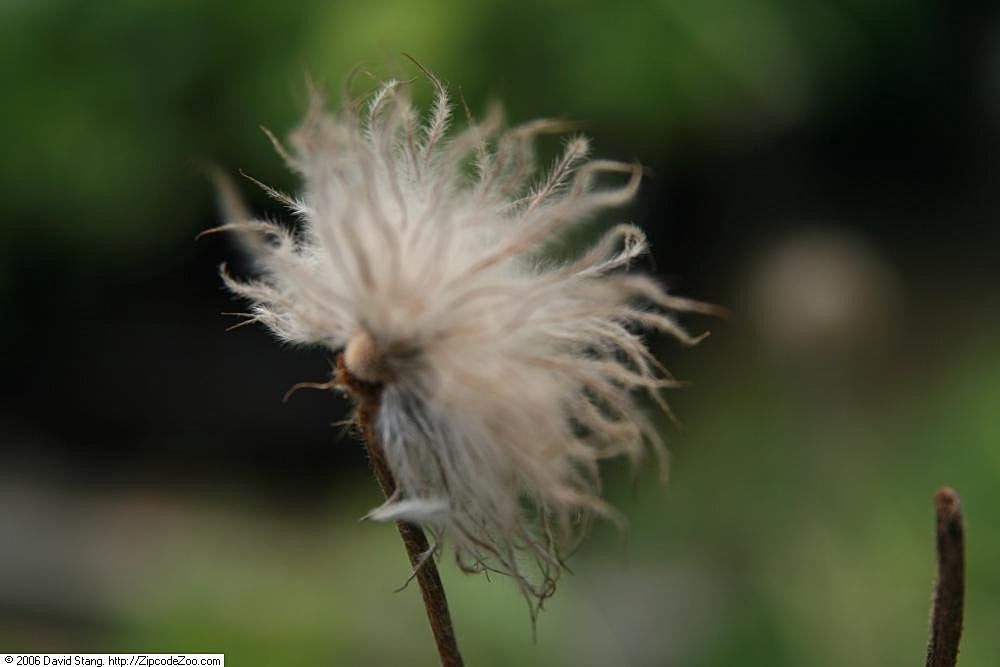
823 297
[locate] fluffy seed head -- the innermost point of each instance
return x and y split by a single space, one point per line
507 376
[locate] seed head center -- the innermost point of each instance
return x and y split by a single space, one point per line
363 359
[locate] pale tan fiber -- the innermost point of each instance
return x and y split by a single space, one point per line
506 377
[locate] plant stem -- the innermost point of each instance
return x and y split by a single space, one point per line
949 594
367 398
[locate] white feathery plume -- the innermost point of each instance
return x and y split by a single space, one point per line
505 377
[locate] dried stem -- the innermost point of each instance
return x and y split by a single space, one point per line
949 594
367 398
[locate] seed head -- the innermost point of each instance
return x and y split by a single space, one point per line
506 376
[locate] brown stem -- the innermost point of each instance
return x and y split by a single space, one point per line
367 397
949 594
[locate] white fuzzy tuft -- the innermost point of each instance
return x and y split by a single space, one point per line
506 377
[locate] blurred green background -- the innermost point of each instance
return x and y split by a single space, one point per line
826 168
